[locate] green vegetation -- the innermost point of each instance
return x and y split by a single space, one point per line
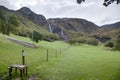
114 44
82 62
117 43
26 29
109 44
8 23
84 40
35 36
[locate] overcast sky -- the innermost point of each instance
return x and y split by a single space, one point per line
91 10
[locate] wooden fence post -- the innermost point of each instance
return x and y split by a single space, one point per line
23 57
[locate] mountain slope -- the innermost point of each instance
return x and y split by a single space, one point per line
28 21
109 30
74 26
63 28
30 15
111 26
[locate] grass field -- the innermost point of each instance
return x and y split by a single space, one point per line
82 62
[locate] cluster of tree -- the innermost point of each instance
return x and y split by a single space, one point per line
36 35
51 37
80 40
109 44
105 3
115 44
102 38
24 33
8 23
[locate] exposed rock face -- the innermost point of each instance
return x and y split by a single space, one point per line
62 34
36 18
73 24
62 26
3 8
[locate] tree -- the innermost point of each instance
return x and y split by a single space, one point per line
109 44
8 23
12 24
72 41
105 3
2 20
92 41
117 43
35 36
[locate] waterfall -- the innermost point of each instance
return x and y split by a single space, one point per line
62 33
64 36
50 27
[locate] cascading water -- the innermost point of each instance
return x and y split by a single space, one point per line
62 33
50 27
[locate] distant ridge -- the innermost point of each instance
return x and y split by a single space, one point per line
112 26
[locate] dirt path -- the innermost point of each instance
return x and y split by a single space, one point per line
26 44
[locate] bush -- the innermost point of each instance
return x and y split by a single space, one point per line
72 41
92 41
35 36
81 40
117 43
109 44
51 37
24 33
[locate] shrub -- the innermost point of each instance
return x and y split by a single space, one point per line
24 33
102 38
92 41
81 40
109 44
51 37
35 36
117 43
72 41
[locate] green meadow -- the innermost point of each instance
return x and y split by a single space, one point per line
80 62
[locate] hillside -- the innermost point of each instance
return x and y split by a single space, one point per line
66 26
63 27
109 29
29 22
112 26
58 28
30 15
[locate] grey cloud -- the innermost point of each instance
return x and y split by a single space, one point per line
92 10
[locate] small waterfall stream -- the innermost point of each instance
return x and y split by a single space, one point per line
50 28
62 33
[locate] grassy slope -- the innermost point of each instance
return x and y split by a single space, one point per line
76 62
10 53
84 63
30 26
